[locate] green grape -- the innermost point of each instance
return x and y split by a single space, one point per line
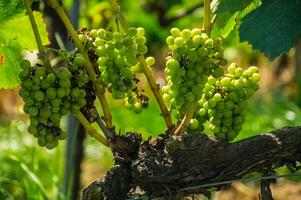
150 61
175 32
39 95
51 93
51 77
60 92
75 108
137 107
24 74
79 61
25 64
194 124
63 73
40 72
64 83
44 84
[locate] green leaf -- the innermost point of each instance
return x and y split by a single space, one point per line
232 5
274 27
10 8
16 34
19 28
10 56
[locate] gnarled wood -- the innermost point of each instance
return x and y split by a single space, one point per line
164 166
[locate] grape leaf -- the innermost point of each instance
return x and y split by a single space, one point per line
10 8
10 56
274 27
232 5
19 28
16 34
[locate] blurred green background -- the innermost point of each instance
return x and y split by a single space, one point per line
28 171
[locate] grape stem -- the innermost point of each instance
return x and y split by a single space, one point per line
184 123
120 17
90 130
156 91
100 90
207 18
42 53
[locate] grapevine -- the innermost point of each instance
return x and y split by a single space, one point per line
197 89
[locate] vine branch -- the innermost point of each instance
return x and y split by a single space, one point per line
100 90
195 164
207 17
90 130
156 91
42 53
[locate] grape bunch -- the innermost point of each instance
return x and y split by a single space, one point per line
48 95
194 56
117 57
224 101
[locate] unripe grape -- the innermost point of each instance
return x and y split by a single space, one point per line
175 32
231 69
39 96
202 112
254 69
217 72
79 61
25 64
197 40
64 73
186 34
150 61
170 40
196 31
141 49
50 93
99 42
137 107
209 43
194 124
140 32
238 71
40 72
50 78
64 83
172 64
24 74
255 77
179 41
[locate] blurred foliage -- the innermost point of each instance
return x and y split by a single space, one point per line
26 172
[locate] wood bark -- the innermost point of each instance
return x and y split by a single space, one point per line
165 166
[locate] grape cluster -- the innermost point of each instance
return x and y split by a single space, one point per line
117 59
224 101
194 56
48 95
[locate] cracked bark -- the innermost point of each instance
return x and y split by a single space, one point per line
164 166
